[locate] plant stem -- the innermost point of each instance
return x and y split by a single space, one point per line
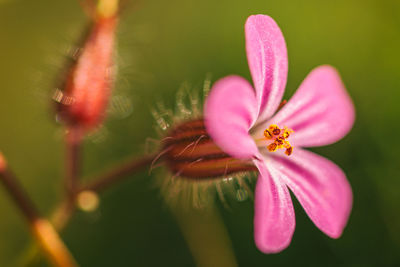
73 140
205 235
48 239
62 214
52 245
118 173
16 192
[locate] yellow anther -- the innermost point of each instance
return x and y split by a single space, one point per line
274 129
279 141
279 136
286 133
272 147
267 134
273 126
286 144
289 151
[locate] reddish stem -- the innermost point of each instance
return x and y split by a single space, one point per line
118 173
16 192
48 239
72 161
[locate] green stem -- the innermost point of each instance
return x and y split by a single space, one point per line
206 236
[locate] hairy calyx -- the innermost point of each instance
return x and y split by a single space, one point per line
190 152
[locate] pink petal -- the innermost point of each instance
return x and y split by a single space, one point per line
320 112
274 220
320 186
230 110
267 57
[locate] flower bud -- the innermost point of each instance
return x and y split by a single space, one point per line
87 87
3 163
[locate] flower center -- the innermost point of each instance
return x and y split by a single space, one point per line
279 137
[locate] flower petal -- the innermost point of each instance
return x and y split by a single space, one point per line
320 112
320 186
267 57
274 220
229 112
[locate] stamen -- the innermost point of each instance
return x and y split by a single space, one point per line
286 144
289 151
280 138
276 131
279 141
267 134
272 147
287 132
273 127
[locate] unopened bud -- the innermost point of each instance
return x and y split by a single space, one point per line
107 8
3 163
87 87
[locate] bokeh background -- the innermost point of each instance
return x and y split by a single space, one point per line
161 45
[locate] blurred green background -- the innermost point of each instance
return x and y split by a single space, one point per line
162 44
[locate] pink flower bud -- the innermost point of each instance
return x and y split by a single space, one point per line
87 88
3 163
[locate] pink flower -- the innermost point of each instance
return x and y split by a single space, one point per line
244 122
